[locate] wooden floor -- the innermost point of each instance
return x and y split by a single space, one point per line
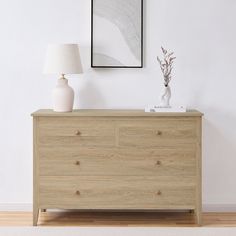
165 219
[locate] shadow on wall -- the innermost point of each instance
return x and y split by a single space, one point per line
219 151
89 96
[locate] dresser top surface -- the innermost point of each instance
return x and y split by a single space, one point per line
114 113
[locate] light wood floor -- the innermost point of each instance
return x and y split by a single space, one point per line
117 219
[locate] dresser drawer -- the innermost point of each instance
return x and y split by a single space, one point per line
116 161
124 192
74 131
160 132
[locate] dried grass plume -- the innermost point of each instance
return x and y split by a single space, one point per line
166 65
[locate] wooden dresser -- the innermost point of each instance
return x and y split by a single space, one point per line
117 160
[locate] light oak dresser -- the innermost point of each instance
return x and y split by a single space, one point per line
125 160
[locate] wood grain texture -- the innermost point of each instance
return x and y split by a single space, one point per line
161 132
110 192
35 173
199 172
117 160
114 113
61 131
64 161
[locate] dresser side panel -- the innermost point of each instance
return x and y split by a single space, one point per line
35 172
199 172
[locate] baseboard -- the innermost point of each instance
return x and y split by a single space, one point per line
219 207
16 206
206 207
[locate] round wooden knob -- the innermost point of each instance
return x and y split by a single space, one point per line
159 192
158 133
77 163
77 192
158 163
77 133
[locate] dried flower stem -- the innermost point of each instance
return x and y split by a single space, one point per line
166 65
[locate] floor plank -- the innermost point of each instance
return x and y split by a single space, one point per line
163 219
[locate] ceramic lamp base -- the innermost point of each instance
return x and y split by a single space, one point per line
63 97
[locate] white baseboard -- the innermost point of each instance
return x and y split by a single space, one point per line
219 207
16 206
206 207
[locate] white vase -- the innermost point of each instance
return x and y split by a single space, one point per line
63 97
165 97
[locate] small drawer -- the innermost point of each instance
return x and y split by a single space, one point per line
161 132
116 161
75 131
112 192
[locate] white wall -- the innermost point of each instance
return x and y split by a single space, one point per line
201 32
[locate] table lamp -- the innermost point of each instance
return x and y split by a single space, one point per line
63 59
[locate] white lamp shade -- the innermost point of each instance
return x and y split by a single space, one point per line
63 59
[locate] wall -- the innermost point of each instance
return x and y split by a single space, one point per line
202 33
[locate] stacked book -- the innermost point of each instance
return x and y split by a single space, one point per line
153 108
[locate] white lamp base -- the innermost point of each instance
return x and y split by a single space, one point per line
63 97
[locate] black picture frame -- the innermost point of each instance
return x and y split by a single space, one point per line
92 41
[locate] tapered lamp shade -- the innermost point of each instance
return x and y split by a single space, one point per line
63 59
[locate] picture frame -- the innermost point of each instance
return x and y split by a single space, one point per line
117 33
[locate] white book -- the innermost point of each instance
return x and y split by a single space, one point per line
153 108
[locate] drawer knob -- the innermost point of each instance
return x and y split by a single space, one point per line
77 133
77 192
158 133
77 163
159 192
158 163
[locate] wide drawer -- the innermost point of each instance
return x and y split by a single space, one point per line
124 192
161 132
116 161
75 131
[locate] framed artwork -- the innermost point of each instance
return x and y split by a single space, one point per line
117 34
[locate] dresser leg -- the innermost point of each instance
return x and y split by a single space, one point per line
35 216
198 214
